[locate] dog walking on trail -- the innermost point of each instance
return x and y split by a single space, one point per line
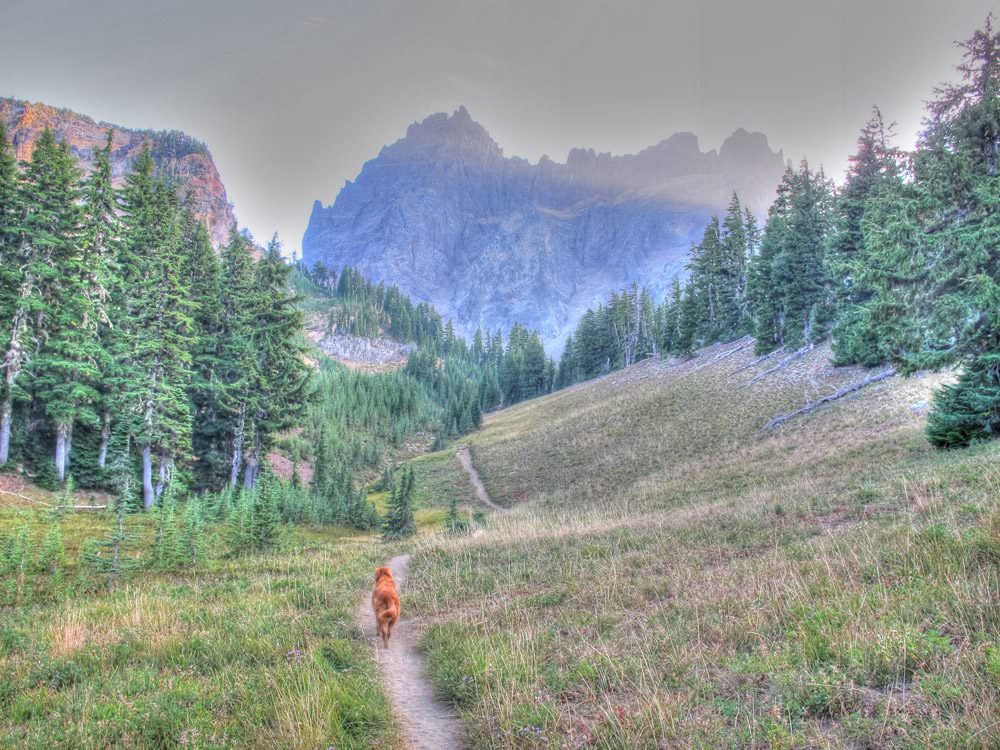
385 603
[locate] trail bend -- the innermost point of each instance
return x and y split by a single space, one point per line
465 458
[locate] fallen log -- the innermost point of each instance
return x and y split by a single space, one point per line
51 505
781 418
782 364
18 495
759 360
741 344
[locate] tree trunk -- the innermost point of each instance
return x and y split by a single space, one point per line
250 473
102 452
147 476
5 418
62 450
165 470
238 447
12 364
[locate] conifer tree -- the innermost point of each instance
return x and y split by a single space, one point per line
101 235
707 282
209 436
279 370
789 285
49 236
154 356
969 410
168 550
957 170
236 347
11 280
399 521
874 177
67 366
113 556
264 514
194 530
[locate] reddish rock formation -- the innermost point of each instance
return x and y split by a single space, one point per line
177 155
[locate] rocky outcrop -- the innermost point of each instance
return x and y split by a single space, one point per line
364 353
490 240
176 155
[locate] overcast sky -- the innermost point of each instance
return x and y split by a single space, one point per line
293 97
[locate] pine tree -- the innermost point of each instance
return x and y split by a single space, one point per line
49 232
957 171
168 550
209 435
264 514
11 280
788 282
399 521
238 362
101 235
153 356
12 291
707 282
193 537
969 410
280 372
737 247
875 173
114 556
66 369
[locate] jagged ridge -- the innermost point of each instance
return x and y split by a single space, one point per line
491 240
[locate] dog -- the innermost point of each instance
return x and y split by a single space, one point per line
385 603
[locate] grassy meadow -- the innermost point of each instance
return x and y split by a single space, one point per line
669 577
251 651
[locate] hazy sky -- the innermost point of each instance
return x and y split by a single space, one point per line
293 97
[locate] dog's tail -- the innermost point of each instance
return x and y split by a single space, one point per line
389 614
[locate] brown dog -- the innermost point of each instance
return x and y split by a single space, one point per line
385 603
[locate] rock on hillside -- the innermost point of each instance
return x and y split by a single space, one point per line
490 240
176 154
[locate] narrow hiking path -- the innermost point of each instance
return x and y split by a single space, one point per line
425 722
465 458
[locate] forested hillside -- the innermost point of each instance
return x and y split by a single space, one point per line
129 342
898 267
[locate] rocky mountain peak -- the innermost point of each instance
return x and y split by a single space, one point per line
177 155
491 241
442 136
744 148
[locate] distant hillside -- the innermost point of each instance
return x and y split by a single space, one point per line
176 154
491 241
669 575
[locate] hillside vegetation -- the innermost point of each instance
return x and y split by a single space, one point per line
669 576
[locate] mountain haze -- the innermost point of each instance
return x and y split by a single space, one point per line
491 240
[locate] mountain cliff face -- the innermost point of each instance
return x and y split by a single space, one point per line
490 240
176 155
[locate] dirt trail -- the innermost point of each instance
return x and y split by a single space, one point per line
466 460
426 723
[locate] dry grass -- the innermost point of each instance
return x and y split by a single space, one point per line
670 578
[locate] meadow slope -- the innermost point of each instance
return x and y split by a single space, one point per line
671 577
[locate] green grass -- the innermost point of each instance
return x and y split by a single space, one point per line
667 577
671 578
247 651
